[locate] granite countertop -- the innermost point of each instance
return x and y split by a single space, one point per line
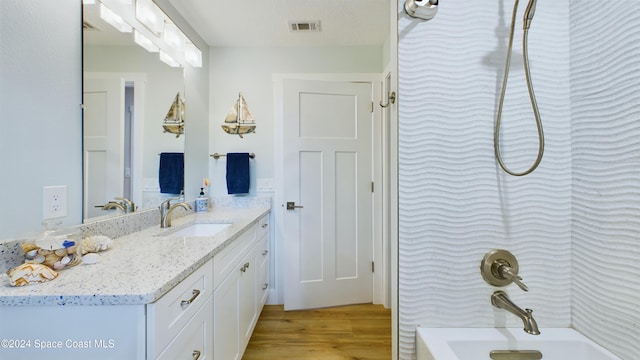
139 268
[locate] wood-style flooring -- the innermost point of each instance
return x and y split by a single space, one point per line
355 332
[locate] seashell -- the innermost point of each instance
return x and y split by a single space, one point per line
60 252
28 247
91 258
65 260
31 254
44 252
74 260
39 259
51 259
96 243
26 274
58 265
72 249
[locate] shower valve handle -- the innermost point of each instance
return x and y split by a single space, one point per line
506 272
500 268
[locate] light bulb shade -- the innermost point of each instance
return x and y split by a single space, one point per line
150 15
144 42
173 36
114 19
193 55
167 59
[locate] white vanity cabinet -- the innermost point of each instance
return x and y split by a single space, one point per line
237 299
151 307
179 324
262 260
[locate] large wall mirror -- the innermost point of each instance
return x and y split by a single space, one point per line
127 92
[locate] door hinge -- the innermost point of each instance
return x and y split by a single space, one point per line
372 106
372 186
373 267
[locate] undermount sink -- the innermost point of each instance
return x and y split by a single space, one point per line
198 230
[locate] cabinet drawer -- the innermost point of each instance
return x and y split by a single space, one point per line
228 259
167 316
262 276
263 226
195 340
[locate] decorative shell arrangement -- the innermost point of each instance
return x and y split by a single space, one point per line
28 273
96 243
56 259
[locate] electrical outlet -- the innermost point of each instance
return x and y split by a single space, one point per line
54 202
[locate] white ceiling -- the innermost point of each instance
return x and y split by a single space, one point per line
266 22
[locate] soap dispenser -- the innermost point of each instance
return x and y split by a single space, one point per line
202 202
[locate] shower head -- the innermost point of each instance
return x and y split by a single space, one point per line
528 14
421 9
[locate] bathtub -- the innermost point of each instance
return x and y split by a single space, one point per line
478 343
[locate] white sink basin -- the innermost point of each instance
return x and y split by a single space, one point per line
199 230
477 344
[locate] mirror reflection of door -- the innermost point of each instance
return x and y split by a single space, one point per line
103 143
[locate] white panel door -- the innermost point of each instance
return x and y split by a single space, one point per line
103 129
327 173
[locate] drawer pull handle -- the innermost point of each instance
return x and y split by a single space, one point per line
244 267
196 354
265 286
193 298
265 252
264 225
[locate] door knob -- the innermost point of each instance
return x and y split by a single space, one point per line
291 205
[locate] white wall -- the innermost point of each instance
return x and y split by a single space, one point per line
251 71
605 99
40 97
455 204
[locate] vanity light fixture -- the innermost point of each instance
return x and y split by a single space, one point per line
193 55
154 30
173 36
144 42
167 59
114 19
150 15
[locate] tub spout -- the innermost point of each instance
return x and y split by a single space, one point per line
501 300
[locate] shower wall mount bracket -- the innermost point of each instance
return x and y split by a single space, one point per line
500 268
421 9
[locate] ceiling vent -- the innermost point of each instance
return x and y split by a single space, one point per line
304 26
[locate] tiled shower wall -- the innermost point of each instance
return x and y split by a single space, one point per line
455 204
605 104
574 223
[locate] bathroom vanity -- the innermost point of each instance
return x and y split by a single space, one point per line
156 294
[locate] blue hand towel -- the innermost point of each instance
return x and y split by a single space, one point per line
237 173
171 173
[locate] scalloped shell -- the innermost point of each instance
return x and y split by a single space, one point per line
26 274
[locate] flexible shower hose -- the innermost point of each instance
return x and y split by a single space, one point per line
532 96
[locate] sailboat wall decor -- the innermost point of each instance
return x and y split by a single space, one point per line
239 121
174 121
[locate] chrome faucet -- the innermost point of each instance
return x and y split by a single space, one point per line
166 209
112 205
501 300
129 206
126 205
